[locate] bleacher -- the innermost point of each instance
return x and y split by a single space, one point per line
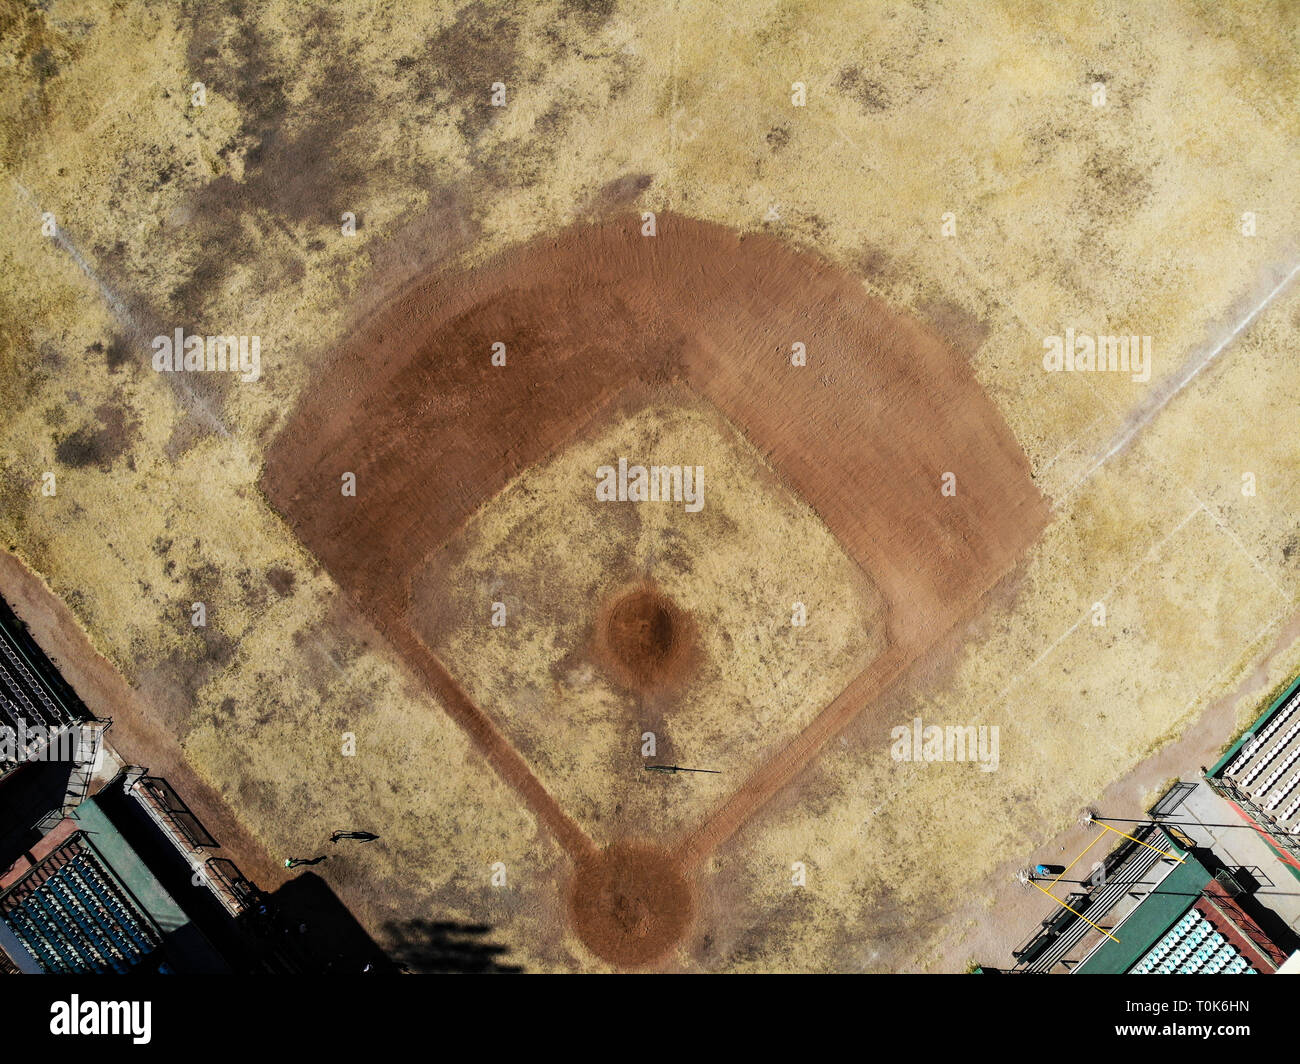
75 917
27 699
1129 868
1266 769
1193 947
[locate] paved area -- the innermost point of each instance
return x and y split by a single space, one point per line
1211 822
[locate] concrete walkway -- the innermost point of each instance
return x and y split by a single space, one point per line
1212 823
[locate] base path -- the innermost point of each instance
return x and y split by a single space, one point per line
793 758
503 757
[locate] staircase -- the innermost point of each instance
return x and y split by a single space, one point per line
90 740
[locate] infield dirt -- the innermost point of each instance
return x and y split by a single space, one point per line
431 428
858 412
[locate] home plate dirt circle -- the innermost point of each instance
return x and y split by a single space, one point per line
631 903
646 640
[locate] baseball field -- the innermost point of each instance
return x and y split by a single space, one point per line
796 266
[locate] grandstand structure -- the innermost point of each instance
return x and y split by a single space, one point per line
1194 946
83 858
1259 777
105 869
1193 923
1161 907
41 713
83 900
74 916
1131 870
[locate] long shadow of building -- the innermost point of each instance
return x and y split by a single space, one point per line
309 930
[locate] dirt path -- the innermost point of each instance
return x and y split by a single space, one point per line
781 769
135 734
502 756
865 433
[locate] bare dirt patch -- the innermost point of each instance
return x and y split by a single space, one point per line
631 904
646 640
864 432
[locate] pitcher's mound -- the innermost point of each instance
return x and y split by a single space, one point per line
646 640
631 904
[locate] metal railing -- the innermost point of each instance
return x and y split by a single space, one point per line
1225 788
188 835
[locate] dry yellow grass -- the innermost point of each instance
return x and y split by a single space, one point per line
1121 218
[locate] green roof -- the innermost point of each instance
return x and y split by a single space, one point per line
129 869
186 947
1154 916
